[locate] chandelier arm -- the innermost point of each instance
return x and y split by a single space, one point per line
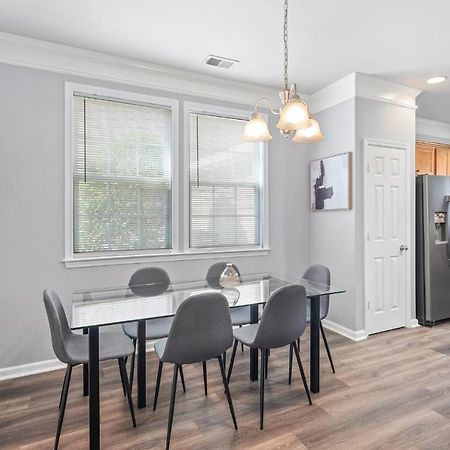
265 99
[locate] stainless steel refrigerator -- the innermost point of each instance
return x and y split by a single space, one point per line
432 249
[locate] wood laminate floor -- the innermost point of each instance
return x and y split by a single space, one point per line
391 391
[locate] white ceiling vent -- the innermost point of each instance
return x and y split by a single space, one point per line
220 61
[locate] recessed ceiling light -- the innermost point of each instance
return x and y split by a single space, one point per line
436 80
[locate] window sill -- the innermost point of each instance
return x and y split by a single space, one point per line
93 261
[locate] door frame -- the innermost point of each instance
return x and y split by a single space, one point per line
368 142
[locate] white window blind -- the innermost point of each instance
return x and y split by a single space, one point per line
225 178
122 187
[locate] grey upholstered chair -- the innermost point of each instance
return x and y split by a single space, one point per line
201 330
240 315
149 282
283 321
73 349
319 274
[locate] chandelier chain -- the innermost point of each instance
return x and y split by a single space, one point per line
285 38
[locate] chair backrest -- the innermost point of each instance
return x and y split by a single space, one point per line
214 273
320 274
201 329
59 327
283 319
149 281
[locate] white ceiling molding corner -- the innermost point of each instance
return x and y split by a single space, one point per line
432 128
386 91
365 86
33 53
333 94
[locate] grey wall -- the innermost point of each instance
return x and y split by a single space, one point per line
32 199
332 232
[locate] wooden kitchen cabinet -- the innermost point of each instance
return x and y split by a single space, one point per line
425 158
442 161
432 158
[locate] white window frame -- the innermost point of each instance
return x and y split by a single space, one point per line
72 259
180 185
201 108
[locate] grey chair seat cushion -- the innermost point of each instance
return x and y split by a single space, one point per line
246 334
160 347
154 328
112 345
240 315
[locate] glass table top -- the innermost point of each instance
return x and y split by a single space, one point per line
107 306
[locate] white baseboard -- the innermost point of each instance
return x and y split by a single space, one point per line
413 323
23 370
359 335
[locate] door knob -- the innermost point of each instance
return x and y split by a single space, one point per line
403 248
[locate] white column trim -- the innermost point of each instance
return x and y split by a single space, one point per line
363 86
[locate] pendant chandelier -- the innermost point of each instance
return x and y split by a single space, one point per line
295 118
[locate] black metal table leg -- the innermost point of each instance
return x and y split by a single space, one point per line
314 361
253 351
141 368
94 390
85 372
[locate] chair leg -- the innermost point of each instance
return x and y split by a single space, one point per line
122 380
302 372
182 379
205 378
266 363
261 390
242 345
224 359
133 360
65 391
227 391
62 388
291 351
172 405
327 347
233 355
158 382
123 373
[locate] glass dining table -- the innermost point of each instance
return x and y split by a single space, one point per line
95 308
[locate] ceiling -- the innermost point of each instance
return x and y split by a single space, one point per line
403 40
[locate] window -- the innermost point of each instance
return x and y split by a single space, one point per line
225 184
121 174
125 191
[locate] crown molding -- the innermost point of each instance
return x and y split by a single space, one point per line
363 86
333 94
386 91
33 53
432 128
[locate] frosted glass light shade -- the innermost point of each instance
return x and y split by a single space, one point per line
293 114
309 135
256 129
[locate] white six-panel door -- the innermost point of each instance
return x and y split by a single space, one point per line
386 244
